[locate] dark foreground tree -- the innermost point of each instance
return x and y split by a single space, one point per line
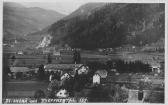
99 94
41 73
49 59
38 95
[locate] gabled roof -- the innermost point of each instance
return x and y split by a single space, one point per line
62 66
71 73
19 69
80 67
102 73
65 73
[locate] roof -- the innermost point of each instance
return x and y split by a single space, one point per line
65 73
19 69
102 73
155 65
62 66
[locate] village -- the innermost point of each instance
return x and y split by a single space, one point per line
125 76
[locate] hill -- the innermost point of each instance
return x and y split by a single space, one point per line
18 21
111 25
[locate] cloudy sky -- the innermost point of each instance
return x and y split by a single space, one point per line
66 6
62 7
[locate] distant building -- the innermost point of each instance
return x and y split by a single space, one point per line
112 71
46 50
56 53
156 69
19 72
127 48
16 41
71 69
20 52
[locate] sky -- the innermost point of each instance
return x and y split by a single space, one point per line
62 7
66 6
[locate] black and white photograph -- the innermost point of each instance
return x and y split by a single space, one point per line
83 52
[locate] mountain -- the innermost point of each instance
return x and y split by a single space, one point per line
85 10
111 25
82 12
18 21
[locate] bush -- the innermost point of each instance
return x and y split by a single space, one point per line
39 94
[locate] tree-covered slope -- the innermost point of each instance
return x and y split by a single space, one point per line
111 26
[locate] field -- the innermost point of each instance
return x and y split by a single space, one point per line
19 89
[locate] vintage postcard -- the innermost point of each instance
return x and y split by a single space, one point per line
77 51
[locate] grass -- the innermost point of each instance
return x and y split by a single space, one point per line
21 89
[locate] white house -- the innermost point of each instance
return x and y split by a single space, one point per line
20 52
65 76
96 79
99 76
62 93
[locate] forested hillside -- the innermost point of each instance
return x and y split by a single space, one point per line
112 25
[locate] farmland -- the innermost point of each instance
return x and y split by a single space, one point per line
19 89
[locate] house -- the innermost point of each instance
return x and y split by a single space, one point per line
46 50
156 68
20 52
62 93
65 76
61 66
102 73
112 72
96 79
82 69
56 53
67 68
99 76
19 72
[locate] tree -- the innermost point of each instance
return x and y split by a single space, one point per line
99 94
78 57
49 59
38 95
13 59
41 72
55 85
117 94
74 56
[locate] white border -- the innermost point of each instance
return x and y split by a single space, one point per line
114 1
